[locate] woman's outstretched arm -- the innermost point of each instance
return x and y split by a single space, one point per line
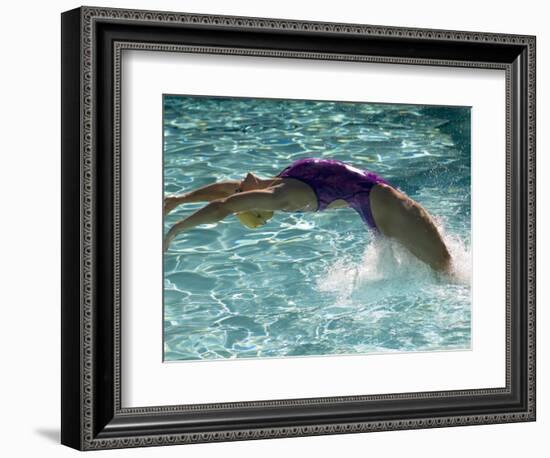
265 199
204 194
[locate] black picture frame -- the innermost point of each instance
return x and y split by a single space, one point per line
92 416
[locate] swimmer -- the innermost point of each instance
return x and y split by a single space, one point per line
310 185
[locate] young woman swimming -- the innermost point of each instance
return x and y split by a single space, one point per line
313 184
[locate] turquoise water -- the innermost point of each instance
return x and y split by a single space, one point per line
313 283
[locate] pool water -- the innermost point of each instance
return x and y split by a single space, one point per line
313 283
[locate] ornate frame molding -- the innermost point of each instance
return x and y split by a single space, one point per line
89 434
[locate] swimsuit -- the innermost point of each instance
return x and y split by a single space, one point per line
331 180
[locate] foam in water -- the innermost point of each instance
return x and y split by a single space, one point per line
388 266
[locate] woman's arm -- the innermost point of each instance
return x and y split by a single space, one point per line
205 194
265 199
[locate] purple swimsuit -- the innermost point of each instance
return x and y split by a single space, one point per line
331 179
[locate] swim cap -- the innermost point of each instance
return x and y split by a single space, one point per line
254 218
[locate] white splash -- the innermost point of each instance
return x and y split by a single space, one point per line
387 265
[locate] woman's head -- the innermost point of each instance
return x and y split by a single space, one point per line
254 218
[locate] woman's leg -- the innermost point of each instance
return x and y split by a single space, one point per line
398 216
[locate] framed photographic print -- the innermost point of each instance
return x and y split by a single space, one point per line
276 228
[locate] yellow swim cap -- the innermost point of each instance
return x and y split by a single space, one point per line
254 218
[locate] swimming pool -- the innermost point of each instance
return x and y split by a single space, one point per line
313 283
